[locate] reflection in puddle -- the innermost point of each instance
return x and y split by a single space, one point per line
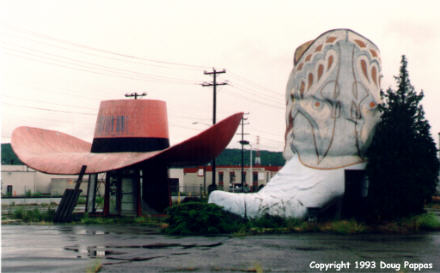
109 252
80 231
93 251
309 248
90 232
101 252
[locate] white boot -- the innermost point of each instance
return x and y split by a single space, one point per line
288 194
331 111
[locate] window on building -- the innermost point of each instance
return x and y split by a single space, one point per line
255 177
9 190
254 181
220 179
232 177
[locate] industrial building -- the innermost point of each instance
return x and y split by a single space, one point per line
21 180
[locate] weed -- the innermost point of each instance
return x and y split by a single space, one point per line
33 215
268 221
201 218
348 227
428 221
96 267
99 201
18 213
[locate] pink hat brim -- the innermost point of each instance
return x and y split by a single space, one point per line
54 152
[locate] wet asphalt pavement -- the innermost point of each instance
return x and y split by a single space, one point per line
67 248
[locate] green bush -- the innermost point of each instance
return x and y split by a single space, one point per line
99 201
18 213
34 215
428 221
201 218
268 221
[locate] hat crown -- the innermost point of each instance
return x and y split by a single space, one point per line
131 126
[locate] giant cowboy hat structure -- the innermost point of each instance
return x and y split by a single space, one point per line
131 145
127 133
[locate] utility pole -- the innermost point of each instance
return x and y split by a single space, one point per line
257 153
135 95
243 142
214 108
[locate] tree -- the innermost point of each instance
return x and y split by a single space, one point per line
402 166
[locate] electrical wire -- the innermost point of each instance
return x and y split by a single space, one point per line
254 84
250 91
48 109
47 102
67 62
99 50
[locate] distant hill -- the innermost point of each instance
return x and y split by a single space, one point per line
233 157
8 156
227 157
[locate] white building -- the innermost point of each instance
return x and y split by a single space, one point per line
197 179
20 180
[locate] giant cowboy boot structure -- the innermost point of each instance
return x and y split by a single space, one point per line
331 111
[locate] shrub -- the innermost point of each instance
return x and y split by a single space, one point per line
34 215
428 221
99 201
268 221
18 213
201 218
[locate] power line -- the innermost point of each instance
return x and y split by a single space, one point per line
47 102
256 95
252 83
252 99
102 51
67 62
48 109
76 50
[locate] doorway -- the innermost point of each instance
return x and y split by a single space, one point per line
122 193
356 191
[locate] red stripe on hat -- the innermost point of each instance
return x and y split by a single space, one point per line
132 118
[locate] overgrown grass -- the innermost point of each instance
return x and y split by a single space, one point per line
199 218
34 215
422 222
428 221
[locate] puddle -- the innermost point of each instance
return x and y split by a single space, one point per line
102 252
170 245
109 252
311 248
94 251
90 232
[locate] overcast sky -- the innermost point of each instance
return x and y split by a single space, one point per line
59 59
